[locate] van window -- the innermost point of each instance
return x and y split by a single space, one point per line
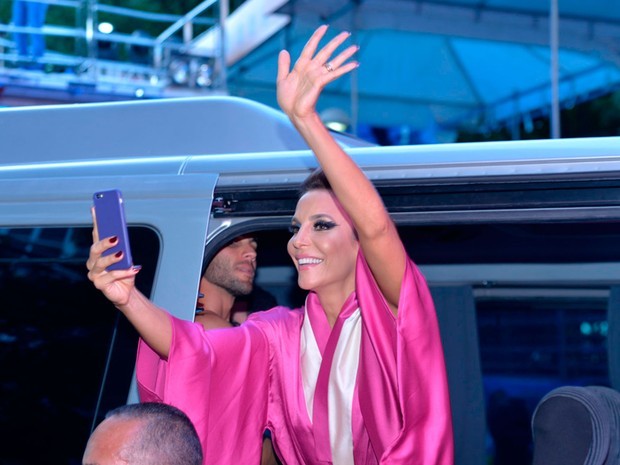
57 336
540 308
541 292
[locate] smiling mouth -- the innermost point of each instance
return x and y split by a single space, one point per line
309 261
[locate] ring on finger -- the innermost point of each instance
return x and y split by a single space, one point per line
328 66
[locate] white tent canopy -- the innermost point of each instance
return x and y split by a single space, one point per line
439 63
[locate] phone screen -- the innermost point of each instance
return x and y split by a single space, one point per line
110 214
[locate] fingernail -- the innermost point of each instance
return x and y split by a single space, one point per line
118 254
136 268
113 239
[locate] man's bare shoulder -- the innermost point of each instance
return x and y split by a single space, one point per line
211 320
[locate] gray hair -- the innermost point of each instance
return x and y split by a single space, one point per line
167 438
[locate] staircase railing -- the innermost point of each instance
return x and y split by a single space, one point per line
95 56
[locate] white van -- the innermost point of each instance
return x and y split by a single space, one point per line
520 243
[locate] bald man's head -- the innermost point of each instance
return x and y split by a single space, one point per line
144 434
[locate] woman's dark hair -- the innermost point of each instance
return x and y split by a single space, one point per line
316 180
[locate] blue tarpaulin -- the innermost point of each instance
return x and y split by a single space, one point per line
449 63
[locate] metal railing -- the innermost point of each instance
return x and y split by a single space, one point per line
152 63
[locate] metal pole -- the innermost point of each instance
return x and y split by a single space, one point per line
555 93
90 28
170 30
354 77
223 74
91 42
79 48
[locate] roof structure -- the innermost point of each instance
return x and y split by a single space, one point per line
442 63
426 65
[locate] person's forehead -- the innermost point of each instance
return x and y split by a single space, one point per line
109 439
316 203
243 238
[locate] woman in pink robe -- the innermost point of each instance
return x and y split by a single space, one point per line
357 376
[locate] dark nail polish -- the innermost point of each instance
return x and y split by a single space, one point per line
118 254
113 239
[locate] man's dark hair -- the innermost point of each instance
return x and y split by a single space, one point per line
315 180
167 438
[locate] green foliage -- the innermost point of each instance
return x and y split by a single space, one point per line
595 118
5 11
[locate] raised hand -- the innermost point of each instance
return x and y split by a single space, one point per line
116 285
299 88
119 287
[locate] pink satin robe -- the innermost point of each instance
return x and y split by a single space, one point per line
234 383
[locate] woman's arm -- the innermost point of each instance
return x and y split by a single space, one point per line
151 322
298 92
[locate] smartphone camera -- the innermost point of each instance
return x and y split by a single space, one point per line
99 195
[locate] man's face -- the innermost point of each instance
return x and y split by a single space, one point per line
234 267
107 444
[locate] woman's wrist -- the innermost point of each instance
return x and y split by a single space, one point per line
308 122
131 304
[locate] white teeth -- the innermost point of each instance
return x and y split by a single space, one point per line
309 261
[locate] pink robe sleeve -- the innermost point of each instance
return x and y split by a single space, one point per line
219 379
403 386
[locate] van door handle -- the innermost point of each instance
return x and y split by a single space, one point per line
221 205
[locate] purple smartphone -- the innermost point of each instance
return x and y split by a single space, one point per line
110 213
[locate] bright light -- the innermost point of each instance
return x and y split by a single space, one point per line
179 71
586 328
335 119
204 77
139 92
105 28
336 126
